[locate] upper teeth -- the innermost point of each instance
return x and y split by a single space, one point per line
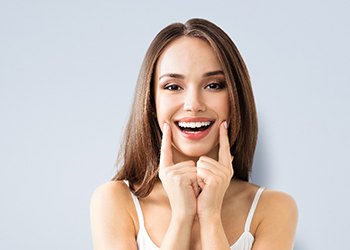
193 124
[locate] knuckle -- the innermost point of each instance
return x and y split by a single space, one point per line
215 181
177 179
229 171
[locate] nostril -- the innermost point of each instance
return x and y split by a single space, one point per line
194 106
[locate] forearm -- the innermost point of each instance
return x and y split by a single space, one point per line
212 233
178 234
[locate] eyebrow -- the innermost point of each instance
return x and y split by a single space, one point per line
214 73
179 76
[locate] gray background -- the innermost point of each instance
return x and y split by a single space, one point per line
67 76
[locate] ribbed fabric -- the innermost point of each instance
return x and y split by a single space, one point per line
244 242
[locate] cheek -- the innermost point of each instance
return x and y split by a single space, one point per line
226 106
225 111
165 108
221 106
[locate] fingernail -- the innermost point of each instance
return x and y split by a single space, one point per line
165 126
225 124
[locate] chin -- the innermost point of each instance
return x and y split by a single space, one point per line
194 152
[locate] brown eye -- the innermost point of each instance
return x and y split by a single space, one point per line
216 85
172 87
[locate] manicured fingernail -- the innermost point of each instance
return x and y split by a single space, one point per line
225 124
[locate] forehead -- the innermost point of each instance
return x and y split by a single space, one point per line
187 55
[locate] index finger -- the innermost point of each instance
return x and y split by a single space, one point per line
166 156
225 157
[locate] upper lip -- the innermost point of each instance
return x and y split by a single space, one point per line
194 119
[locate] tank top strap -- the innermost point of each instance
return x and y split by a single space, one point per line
252 209
137 207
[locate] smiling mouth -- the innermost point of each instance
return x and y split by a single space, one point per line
194 127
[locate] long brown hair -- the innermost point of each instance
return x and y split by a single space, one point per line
139 154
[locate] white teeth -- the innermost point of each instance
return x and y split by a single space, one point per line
193 124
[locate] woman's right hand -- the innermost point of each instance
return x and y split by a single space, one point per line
179 180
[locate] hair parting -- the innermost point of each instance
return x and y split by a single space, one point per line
140 150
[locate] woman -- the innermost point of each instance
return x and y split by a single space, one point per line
187 155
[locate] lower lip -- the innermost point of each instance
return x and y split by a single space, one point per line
197 135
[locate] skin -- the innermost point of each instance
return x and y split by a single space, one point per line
213 216
184 89
185 166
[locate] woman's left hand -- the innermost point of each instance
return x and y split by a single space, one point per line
214 177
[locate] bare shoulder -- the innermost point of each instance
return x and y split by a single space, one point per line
111 198
277 215
112 191
278 207
273 201
111 216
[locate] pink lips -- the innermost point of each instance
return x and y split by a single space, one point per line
198 134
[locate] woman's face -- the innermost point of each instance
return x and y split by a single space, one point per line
191 96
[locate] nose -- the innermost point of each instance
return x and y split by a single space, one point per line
194 101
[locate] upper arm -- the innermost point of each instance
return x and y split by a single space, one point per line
112 225
279 215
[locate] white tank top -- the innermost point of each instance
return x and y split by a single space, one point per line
244 242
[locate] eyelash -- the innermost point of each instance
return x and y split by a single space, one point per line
216 85
212 85
172 87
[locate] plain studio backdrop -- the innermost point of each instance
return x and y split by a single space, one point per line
67 76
